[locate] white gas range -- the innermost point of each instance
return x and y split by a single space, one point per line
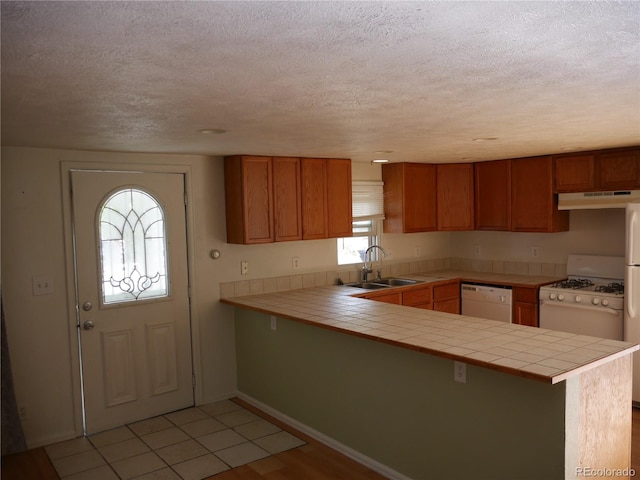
591 300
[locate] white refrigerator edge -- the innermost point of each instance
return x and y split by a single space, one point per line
632 290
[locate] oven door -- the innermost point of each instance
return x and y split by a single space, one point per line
600 322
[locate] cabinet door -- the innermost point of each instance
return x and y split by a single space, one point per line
451 305
339 204
420 197
314 198
525 306
574 173
409 197
454 187
619 170
493 195
417 297
395 297
447 290
287 199
525 314
534 207
248 199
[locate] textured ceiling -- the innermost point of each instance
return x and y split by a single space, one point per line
348 79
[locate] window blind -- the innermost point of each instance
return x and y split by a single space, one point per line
368 200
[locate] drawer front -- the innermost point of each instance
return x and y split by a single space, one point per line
525 295
387 298
416 297
451 290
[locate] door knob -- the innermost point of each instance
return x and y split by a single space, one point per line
86 306
88 325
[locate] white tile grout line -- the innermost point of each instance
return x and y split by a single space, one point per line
173 425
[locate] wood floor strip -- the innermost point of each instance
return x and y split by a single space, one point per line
314 461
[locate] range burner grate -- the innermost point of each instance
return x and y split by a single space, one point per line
615 287
574 283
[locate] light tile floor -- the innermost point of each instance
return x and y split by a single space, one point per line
190 444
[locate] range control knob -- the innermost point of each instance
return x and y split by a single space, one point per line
578 298
605 302
595 301
552 296
561 297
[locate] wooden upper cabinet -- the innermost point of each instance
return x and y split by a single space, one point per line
534 207
339 198
284 198
618 170
493 195
248 199
454 187
409 197
314 198
601 170
575 173
287 199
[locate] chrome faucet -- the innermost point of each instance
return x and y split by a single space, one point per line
366 271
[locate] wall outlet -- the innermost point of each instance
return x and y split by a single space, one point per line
22 412
274 323
460 372
534 252
42 285
295 263
416 251
244 267
477 251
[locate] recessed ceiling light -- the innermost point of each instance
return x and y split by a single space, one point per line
485 139
380 160
212 131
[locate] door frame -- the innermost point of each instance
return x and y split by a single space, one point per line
70 269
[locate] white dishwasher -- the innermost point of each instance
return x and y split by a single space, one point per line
486 301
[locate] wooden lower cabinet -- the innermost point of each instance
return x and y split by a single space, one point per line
419 297
446 297
525 306
386 297
442 297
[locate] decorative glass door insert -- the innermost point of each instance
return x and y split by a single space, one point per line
132 247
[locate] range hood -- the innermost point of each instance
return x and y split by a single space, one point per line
590 200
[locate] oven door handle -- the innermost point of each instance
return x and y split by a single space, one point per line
582 307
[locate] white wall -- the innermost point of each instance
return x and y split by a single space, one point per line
40 328
593 232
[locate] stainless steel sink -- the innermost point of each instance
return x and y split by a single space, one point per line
396 282
367 285
383 283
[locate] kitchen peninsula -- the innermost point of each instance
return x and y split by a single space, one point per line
378 379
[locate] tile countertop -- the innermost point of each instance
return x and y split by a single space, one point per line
539 354
480 277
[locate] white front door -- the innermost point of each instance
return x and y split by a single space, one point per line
132 294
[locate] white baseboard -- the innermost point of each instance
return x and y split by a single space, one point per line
322 438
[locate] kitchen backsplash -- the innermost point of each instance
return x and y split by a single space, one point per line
324 278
